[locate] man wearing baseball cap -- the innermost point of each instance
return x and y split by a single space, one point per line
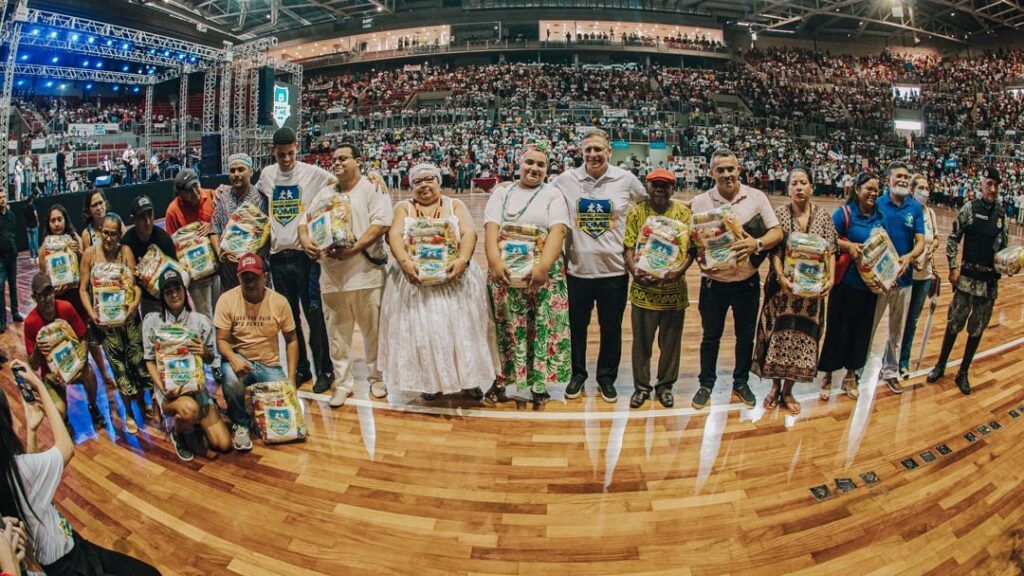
982 226
192 204
143 234
658 304
248 320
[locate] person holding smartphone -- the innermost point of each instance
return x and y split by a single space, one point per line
30 481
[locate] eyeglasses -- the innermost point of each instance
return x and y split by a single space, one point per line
424 180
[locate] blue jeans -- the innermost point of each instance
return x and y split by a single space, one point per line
918 295
33 243
234 388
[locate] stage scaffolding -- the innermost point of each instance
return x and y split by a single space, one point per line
230 90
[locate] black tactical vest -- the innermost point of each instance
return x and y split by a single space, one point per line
980 239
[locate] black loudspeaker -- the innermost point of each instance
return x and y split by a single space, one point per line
265 87
210 163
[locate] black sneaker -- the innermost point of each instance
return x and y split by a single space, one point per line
666 399
17 317
937 372
638 398
323 383
301 377
701 398
608 392
181 449
575 387
98 419
745 395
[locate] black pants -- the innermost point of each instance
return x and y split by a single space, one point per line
716 298
849 324
290 270
610 296
9 276
62 181
88 559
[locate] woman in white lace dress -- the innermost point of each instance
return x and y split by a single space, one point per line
436 332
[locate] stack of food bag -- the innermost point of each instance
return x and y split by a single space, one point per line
277 412
806 263
113 289
181 370
714 232
521 246
663 243
61 260
247 231
329 221
66 358
1010 261
879 264
152 265
432 245
195 252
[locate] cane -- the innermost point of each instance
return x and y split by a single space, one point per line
933 301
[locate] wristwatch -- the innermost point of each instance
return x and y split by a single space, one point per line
760 246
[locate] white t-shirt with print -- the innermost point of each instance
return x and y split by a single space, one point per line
369 207
597 213
50 533
288 195
545 210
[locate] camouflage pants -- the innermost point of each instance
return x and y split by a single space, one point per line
971 311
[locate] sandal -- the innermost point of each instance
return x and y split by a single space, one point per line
771 399
540 399
495 395
130 427
825 392
851 387
792 404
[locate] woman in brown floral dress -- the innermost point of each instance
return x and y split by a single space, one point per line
790 326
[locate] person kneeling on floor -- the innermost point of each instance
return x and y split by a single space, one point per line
248 319
187 408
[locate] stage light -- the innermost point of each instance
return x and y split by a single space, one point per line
63 86
91 40
74 37
124 46
152 50
49 84
35 31
116 88
192 59
110 42
167 53
55 59
124 68
135 89
21 82
24 57
85 63
181 56
88 86
53 34
99 64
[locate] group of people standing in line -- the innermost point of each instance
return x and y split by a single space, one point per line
479 328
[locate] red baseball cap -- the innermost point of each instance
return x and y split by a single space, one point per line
661 174
250 263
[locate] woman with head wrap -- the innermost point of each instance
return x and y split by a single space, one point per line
436 334
791 323
531 302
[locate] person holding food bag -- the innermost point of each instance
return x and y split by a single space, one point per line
737 287
658 302
793 316
140 236
192 407
113 299
228 198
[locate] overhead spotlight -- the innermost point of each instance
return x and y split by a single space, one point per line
88 86
91 39
63 86
192 59
116 88
152 51
110 42
181 56
74 37
21 82
55 59
35 31
24 57
167 53
49 84
124 68
85 63
135 89
53 33
99 64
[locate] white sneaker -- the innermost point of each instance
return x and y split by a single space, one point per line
340 395
242 441
378 389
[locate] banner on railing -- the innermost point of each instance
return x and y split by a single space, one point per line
615 112
93 129
39 144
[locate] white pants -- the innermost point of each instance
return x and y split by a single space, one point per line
342 311
204 294
897 301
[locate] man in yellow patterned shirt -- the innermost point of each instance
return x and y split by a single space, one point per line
657 259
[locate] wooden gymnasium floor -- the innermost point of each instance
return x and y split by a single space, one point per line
585 487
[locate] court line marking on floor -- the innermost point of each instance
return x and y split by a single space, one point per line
622 410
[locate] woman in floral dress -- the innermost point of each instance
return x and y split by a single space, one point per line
532 319
790 326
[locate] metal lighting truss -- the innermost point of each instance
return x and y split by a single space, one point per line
8 87
182 110
78 74
100 50
225 113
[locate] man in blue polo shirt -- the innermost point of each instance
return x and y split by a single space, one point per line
904 222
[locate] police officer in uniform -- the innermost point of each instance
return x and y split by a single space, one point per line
982 225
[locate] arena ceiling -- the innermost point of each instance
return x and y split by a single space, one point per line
952 20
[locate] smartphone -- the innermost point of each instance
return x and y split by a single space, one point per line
27 392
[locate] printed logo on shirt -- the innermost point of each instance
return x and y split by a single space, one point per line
285 204
65 526
594 217
908 220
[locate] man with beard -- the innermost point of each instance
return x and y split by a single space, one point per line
904 223
982 226
227 199
739 287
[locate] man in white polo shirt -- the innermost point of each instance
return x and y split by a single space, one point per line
738 288
599 197
290 186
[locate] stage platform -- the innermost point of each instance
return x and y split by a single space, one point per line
927 482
